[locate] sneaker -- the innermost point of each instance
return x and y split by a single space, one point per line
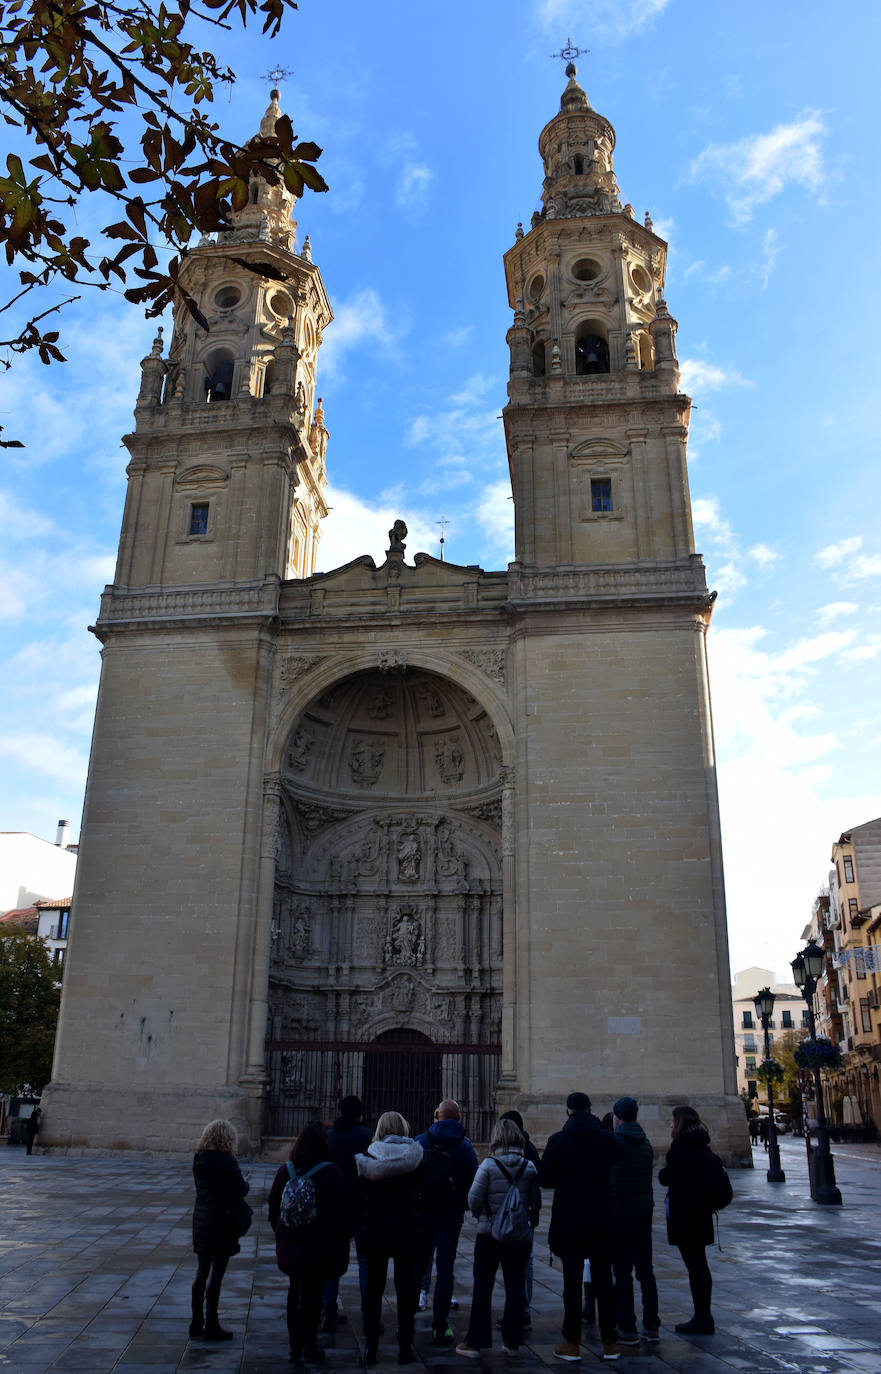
628 1338
444 1337
423 1299
454 1304
696 1327
651 1333
611 1351
567 1350
468 1351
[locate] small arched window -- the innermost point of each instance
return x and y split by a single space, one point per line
218 381
591 351
254 192
579 166
539 361
268 377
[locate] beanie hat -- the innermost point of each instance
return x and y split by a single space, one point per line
626 1108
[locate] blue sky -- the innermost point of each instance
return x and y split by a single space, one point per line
749 132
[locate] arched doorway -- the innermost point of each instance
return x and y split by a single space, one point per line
387 916
402 1073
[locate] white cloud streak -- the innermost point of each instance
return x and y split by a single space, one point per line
753 170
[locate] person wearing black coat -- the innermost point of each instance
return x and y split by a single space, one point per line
576 1164
347 1137
220 1185
393 1226
317 1250
689 1215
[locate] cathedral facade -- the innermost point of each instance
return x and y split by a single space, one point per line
414 829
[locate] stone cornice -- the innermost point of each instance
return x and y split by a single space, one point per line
659 583
172 607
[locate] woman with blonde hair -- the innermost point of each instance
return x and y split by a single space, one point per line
392 1227
219 1218
504 1166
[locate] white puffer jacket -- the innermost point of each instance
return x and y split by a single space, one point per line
490 1186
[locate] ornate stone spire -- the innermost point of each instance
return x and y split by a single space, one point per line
576 148
268 214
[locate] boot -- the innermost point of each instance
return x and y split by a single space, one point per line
213 1330
197 1325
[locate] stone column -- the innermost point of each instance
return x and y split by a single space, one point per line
680 504
508 1076
254 1076
642 505
163 515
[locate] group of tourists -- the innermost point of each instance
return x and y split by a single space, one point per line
403 1201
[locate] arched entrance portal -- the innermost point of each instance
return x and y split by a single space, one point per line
402 1073
387 914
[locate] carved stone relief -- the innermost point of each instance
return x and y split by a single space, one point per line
300 746
366 760
489 661
405 941
450 759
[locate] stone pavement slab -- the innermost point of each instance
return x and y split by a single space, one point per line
96 1264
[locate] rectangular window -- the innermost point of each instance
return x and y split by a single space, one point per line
63 921
601 493
198 519
848 869
751 1088
750 1066
749 1043
805 1021
58 956
787 1020
747 1020
852 907
865 1014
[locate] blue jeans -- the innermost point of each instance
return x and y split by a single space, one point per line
632 1251
488 1255
445 1242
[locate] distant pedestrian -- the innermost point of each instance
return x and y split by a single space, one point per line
347 1137
448 1169
765 1130
311 1235
632 1179
754 1129
576 1164
689 1215
220 1188
32 1128
505 1167
393 1228
531 1153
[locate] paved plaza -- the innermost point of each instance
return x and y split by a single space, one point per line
97 1262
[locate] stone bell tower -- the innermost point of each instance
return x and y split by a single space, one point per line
620 973
224 500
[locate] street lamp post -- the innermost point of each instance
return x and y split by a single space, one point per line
764 1002
807 969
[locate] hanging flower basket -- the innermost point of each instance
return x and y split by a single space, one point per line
770 1071
818 1054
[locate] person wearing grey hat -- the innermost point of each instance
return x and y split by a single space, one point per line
631 1180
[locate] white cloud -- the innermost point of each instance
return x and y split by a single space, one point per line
698 375
412 188
456 338
755 169
764 555
362 317
495 511
866 565
618 17
770 250
834 610
833 554
47 754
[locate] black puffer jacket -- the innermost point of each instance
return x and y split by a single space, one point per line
219 1186
393 1221
689 1217
633 1175
345 1140
576 1164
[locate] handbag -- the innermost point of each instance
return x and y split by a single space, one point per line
240 1216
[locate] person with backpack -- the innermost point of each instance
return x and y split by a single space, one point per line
506 1201
697 1185
217 1225
346 1138
576 1164
633 1202
307 1212
529 1152
393 1227
449 1167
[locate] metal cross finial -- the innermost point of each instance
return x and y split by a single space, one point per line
277 75
570 52
443 525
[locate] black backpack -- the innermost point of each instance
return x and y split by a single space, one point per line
716 1183
438 1187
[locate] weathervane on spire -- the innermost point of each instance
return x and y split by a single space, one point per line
569 54
277 75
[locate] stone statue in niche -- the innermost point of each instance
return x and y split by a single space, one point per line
379 707
298 754
301 934
442 1008
430 700
405 942
409 857
450 860
403 995
450 759
366 761
274 932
